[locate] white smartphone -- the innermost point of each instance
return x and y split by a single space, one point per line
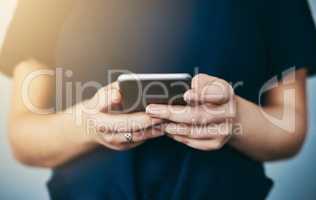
140 90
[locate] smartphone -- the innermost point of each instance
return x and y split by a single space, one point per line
140 90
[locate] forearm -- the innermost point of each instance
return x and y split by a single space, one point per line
262 140
41 140
51 140
47 141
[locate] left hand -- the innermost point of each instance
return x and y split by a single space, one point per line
206 122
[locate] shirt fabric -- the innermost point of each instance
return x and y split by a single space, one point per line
245 42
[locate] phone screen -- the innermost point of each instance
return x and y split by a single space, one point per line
140 90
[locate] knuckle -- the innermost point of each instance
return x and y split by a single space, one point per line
192 131
171 128
109 139
206 119
120 148
218 145
205 148
197 117
147 122
183 140
169 113
139 135
227 90
197 79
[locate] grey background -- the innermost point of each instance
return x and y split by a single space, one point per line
294 179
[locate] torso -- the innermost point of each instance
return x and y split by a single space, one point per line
221 38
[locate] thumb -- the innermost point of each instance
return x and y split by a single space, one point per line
107 98
208 89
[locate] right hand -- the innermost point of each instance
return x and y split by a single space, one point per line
111 129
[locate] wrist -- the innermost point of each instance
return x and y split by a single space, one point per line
237 128
76 129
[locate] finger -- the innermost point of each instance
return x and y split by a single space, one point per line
131 146
209 89
201 114
121 123
120 146
107 98
204 145
117 139
141 136
199 132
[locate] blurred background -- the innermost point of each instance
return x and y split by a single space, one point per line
294 179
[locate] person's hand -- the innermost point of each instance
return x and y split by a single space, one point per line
206 122
115 130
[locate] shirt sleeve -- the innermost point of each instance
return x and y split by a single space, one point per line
290 35
33 33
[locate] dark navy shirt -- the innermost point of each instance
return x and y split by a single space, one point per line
245 42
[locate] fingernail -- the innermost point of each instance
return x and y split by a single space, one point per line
188 96
214 91
153 110
156 121
114 96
